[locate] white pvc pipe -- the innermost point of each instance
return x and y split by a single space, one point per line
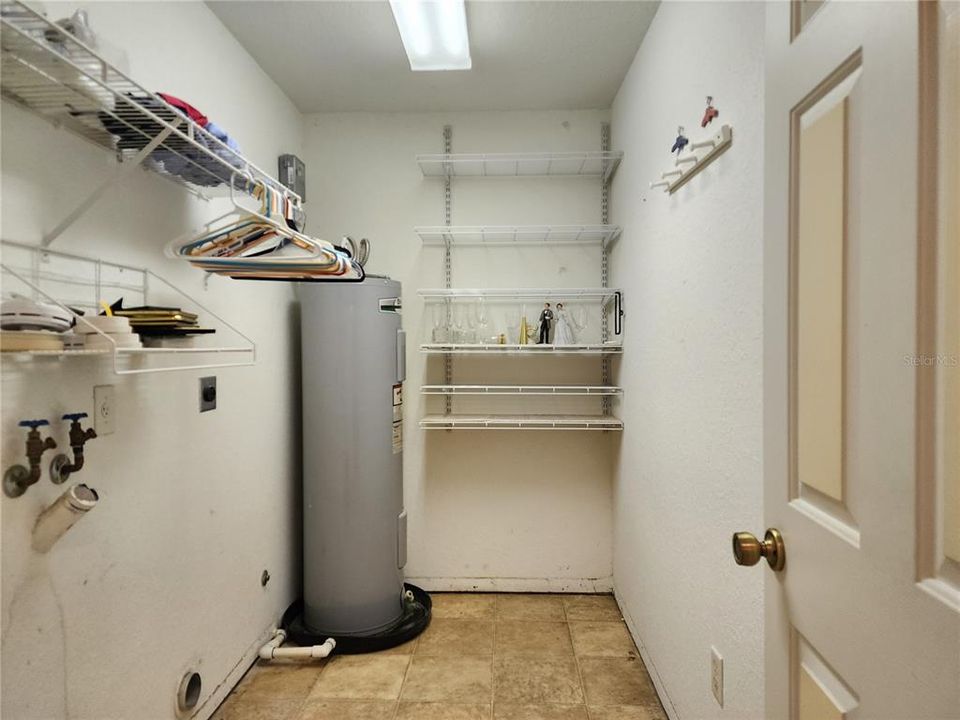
53 522
272 649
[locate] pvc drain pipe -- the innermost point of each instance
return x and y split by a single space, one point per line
53 522
273 651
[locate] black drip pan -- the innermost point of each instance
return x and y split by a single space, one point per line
415 618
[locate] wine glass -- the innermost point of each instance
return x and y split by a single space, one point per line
470 337
512 319
439 331
583 317
483 327
458 333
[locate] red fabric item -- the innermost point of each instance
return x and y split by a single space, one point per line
198 117
709 115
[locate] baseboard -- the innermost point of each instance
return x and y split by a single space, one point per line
648 662
220 693
509 584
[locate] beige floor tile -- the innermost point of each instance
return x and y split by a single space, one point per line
442 711
602 608
237 707
361 677
534 680
451 679
467 606
539 712
319 709
452 636
616 681
532 637
627 712
406 648
602 639
530 607
279 682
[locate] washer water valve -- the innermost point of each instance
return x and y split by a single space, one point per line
18 478
61 468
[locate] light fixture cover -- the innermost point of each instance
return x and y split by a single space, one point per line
434 33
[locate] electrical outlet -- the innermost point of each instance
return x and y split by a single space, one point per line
104 410
716 675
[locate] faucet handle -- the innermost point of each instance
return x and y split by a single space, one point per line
33 424
74 417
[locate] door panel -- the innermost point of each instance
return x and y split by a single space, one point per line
846 621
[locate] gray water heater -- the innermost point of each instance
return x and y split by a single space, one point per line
354 525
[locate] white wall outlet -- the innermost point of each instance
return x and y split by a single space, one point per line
104 410
716 675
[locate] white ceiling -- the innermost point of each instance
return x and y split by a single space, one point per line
347 55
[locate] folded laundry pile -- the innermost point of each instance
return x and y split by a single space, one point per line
196 163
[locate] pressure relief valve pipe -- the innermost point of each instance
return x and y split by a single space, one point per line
273 651
62 515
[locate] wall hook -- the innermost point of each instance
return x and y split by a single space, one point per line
60 467
710 113
681 142
18 478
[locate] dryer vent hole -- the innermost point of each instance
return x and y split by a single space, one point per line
188 694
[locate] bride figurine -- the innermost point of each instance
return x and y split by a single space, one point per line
563 327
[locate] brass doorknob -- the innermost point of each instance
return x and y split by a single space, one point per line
747 549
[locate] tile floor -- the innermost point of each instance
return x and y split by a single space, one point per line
484 657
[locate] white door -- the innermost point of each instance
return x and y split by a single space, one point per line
863 621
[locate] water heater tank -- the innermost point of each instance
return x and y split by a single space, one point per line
354 525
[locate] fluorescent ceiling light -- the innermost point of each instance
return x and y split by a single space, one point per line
434 33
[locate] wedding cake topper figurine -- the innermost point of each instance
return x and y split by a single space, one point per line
563 334
546 319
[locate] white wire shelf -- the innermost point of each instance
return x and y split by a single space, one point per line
49 72
550 390
562 294
591 164
487 235
529 349
50 276
521 422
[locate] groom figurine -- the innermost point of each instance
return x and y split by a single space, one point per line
546 319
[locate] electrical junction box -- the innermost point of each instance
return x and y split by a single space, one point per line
293 174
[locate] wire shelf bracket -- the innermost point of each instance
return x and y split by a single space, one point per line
126 359
52 74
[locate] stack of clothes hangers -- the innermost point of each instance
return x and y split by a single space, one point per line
266 246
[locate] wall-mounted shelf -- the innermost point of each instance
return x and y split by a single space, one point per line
563 294
487 235
529 349
587 164
689 163
73 282
51 73
521 422
580 390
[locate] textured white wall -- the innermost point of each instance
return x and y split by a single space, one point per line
494 509
164 574
689 467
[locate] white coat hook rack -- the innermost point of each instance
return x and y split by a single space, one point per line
715 146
